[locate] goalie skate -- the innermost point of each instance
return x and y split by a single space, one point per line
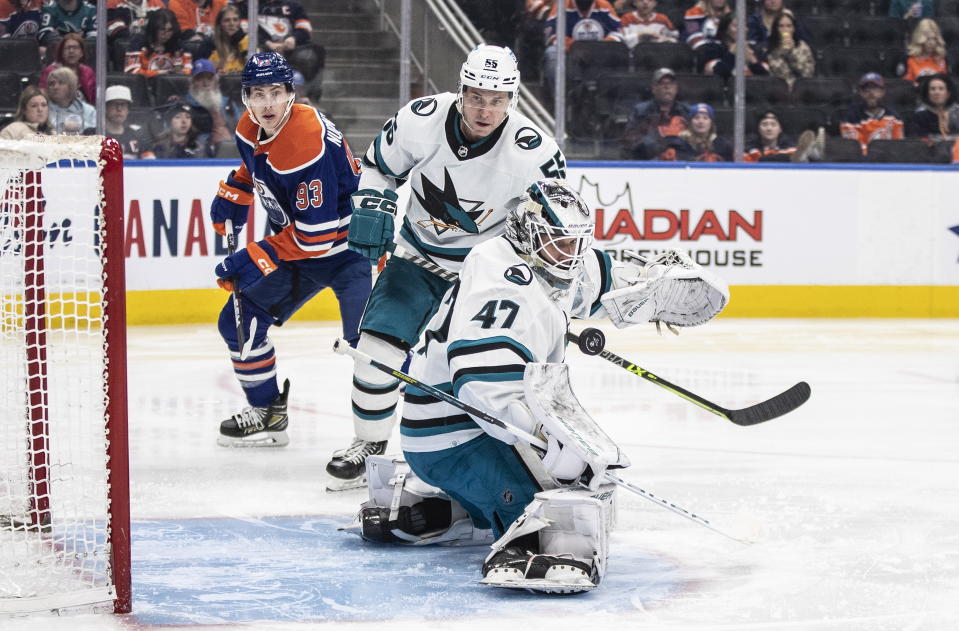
514 569
258 426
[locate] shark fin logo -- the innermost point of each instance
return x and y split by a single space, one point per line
445 207
519 274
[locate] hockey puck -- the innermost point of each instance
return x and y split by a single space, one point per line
591 341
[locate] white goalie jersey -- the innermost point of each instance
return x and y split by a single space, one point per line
459 189
498 318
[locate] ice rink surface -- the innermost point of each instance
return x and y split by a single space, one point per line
853 499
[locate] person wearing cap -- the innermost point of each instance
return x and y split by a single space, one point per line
179 139
215 115
699 142
870 119
651 121
770 144
645 25
132 137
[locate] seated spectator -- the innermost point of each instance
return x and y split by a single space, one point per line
179 139
926 50
214 115
769 143
71 54
69 114
719 57
32 117
701 23
644 25
159 51
788 57
127 19
760 24
591 20
870 119
230 43
937 117
67 16
282 25
912 9
652 120
20 18
700 141
196 18
132 138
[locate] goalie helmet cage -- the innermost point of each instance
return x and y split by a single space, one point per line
64 488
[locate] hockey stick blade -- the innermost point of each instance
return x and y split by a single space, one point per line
782 403
767 410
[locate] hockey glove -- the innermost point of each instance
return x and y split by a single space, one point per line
371 226
232 201
246 267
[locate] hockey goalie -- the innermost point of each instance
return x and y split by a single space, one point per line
498 344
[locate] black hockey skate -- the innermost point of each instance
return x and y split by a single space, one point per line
258 426
347 468
515 568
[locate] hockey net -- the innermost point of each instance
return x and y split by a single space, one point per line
64 498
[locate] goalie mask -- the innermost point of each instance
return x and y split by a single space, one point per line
552 227
490 68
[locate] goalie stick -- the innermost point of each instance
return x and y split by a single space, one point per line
343 347
592 342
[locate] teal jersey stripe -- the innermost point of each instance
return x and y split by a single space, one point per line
478 346
381 163
435 431
485 377
606 278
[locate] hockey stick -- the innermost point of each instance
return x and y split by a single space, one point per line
237 307
592 341
429 266
343 347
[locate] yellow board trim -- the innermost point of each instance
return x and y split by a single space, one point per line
190 306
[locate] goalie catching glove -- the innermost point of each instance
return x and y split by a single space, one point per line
670 288
246 267
371 226
232 201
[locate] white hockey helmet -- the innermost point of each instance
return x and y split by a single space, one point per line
490 68
552 227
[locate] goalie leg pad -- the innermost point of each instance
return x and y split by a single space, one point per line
404 509
558 545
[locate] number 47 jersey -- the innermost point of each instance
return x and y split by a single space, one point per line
459 189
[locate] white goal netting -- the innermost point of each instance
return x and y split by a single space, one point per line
55 501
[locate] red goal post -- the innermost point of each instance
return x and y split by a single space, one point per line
64 480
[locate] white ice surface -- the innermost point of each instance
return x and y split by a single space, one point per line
853 498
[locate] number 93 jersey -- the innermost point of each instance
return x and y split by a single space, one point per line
458 189
496 319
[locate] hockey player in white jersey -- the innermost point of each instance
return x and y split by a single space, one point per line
464 155
508 312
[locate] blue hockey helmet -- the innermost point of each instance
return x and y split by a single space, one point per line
266 69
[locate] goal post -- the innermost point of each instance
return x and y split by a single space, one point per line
64 470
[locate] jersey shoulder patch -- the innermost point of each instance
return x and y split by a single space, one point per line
427 106
520 274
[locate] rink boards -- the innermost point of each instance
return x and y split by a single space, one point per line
811 241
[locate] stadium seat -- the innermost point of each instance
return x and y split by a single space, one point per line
885 32
901 95
795 120
10 86
947 8
694 88
827 30
587 60
841 7
726 120
168 85
616 96
231 87
137 84
765 91
650 57
843 150
19 55
818 91
804 7
907 151
852 62
949 25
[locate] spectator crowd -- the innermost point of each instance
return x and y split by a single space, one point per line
172 84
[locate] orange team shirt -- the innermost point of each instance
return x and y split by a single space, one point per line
190 17
917 67
756 154
884 128
142 62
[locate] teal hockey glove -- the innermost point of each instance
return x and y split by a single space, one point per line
371 226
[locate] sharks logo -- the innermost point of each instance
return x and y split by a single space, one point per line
424 107
527 138
446 209
519 274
